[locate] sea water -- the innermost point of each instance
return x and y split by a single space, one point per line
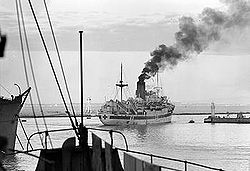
222 79
225 146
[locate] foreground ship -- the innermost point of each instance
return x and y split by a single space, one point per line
10 108
147 108
9 113
240 118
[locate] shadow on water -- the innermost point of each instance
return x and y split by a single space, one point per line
140 131
142 135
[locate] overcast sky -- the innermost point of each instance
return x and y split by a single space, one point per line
109 25
120 28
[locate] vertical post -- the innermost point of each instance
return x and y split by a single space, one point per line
81 76
151 158
83 131
46 135
121 82
111 137
212 110
185 165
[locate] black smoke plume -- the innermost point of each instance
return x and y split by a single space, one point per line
2 44
194 37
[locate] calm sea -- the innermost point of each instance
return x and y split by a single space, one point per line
209 77
225 146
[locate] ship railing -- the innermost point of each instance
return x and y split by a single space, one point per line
126 149
185 162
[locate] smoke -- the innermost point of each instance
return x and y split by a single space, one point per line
2 44
194 37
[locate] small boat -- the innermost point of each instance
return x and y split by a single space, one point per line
191 121
147 108
240 118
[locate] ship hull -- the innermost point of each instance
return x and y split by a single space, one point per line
120 119
228 120
9 111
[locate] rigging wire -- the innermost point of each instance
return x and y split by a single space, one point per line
116 93
126 93
60 61
52 67
21 123
110 93
19 141
25 68
128 87
117 89
32 70
5 89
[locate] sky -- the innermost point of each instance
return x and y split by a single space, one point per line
118 31
109 25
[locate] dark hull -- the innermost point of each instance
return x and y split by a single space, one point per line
228 120
9 112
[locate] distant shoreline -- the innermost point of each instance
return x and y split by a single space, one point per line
94 115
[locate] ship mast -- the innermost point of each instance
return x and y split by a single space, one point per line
120 84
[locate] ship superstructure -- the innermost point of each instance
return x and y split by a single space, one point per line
147 108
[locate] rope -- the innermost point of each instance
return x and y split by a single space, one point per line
126 94
32 70
52 67
19 119
20 142
25 68
5 89
116 93
60 61
129 91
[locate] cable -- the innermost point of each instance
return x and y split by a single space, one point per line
20 142
116 93
60 61
25 68
5 89
52 67
32 70
128 87
19 119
